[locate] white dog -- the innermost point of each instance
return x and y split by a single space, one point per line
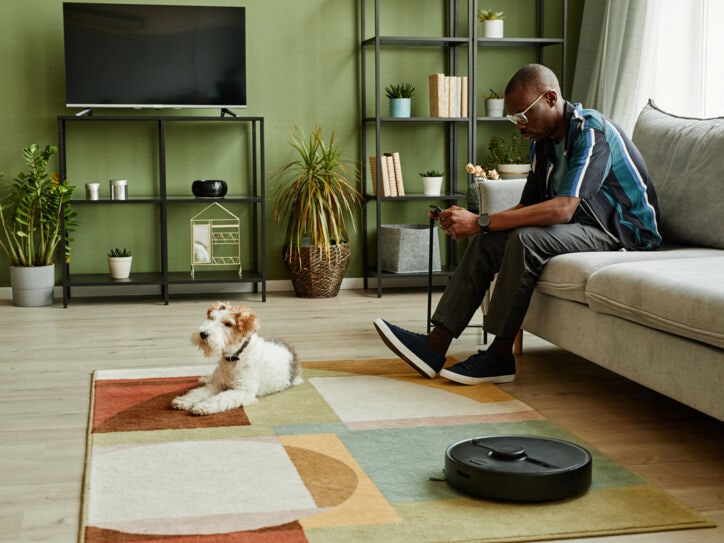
249 366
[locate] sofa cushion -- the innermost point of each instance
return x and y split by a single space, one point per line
565 276
681 296
685 158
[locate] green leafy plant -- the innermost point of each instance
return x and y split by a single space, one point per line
119 253
489 14
317 193
517 151
494 94
400 90
34 210
432 173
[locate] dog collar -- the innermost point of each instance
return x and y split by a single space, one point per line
234 357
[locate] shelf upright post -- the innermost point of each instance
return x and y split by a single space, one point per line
64 244
259 184
378 149
363 140
164 207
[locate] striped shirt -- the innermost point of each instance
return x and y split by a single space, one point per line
606 171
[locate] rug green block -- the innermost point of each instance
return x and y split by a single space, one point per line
614 510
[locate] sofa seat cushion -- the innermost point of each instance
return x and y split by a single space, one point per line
680 296
565 276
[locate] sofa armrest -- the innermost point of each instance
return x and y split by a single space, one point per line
500 194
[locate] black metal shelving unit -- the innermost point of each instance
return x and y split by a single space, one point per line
456 11
164 277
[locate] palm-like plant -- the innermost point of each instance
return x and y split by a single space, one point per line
34 211
317 194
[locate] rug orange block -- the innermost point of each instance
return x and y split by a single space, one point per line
354 454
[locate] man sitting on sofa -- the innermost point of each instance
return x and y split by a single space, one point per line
588 190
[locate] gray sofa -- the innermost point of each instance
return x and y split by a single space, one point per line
655 317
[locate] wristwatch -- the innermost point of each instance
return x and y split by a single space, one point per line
484 222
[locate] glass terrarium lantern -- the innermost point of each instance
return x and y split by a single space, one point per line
215 238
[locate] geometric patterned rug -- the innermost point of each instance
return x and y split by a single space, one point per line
354 454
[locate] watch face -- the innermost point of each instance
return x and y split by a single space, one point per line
484 220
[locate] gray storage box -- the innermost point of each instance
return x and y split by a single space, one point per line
406 248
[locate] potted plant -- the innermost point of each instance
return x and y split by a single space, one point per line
400 96
511 159
119 263
432 182
35 214
494 103
492 23
316 196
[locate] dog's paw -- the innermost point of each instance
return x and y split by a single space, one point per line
205 408
182 404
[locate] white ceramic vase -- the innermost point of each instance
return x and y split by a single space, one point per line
432 186
120 266
493 28
494 107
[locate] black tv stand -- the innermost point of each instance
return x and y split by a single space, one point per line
226 111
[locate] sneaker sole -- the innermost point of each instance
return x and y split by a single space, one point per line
397 347
465 380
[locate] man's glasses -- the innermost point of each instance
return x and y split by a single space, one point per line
520 118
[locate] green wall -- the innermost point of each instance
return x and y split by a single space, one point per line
302 69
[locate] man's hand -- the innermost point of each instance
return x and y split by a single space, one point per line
458 222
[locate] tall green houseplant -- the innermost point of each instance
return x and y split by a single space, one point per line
34 210
315 201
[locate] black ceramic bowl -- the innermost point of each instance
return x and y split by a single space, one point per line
209 188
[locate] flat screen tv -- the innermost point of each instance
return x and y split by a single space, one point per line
154 56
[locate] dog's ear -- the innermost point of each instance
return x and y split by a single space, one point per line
216 306
246 320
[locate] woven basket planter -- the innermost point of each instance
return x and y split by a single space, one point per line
316 276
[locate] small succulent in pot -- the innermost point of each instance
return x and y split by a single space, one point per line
400 90
490 15
119 253
432 173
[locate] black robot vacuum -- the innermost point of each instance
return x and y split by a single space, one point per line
518 468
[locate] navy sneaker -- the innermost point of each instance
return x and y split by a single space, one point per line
412 348
484 367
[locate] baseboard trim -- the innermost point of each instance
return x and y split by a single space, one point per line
278 285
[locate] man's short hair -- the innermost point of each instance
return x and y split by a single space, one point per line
533 76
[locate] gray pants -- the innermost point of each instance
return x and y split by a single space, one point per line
518 256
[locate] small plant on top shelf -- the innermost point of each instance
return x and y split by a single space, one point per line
119 253
432 173
495 94
400 90
490 15
492 23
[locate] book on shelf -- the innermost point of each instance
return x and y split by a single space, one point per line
390 170
448 95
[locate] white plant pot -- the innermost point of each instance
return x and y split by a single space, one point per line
431 186
493 28
120 266
513 171
494 107
32 286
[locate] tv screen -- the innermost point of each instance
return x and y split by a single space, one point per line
154 56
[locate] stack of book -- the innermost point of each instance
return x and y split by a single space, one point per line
391 172
448 95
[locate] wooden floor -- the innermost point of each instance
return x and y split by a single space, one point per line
48 354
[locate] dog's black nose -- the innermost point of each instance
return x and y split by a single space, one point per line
203 335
